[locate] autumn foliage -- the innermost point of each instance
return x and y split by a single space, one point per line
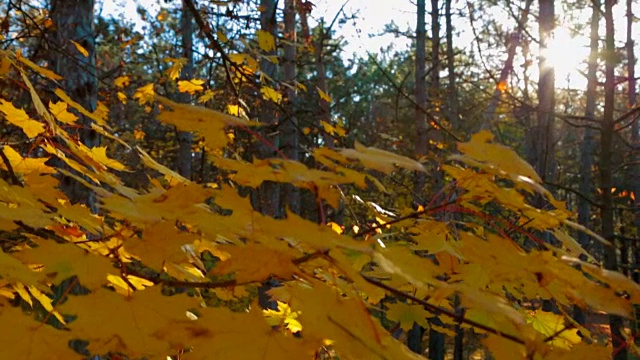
174 269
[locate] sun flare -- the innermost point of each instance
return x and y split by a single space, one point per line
565 54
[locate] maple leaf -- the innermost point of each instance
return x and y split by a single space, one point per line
19 117
253 262
128 324
173 72
266 41
219 333
283 316
39 69
21 337
190 86
269 93
160 243
372 158
99 153
98 116
25 165
349 324
550 324
209 123
61 261
122 81
59 110
407 315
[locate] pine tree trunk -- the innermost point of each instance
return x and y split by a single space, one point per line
266 199
588 144
289 125
185 139
606 172
73 20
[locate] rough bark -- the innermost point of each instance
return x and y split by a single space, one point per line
588 143
185 139
267 198
606 172
542 143
289 127
453 105
414 336
325 107
436 339
73 20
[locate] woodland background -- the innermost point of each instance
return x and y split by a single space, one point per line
221 180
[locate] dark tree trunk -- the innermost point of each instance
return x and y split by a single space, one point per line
185 139
588 143
73 20
289 126
266 199
606 171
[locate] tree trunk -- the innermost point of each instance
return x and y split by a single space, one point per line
414 336
266 199
421 141
453 104
606 172
635 158
289 127
542 143
588 144
325 107
185 139
73 20
436 339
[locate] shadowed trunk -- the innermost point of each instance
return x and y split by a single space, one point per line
73 20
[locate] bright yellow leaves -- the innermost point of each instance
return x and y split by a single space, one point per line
190 86
266 41
173 72
19 118
271 94
209 123
59 111
283 317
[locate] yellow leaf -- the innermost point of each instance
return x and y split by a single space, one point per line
190 86
122 97
208 95
138 134
266 41
25 165
145 94
207 122
81 49
46 303
59 111
100 154
19 117
222 37
550 324
269 93
283 316
173 72
122 81
407 314
323 95
380 160
98 116
40 70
